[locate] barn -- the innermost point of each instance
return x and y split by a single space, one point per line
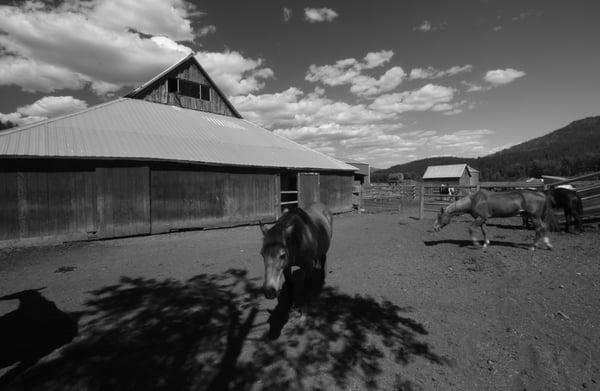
451 174
173 154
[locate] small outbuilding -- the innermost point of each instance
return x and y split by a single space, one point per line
451 174
173 154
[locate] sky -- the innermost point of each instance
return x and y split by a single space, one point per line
383 82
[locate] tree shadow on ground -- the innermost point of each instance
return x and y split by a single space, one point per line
469 243
208 333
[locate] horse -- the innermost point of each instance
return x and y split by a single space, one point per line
569 201
301 238
485 204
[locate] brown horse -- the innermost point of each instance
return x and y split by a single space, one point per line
568 200
301 238
485 204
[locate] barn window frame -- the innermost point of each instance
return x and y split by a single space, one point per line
188 88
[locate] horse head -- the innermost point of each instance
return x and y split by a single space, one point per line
276 258
441 220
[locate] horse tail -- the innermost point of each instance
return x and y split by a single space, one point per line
548 216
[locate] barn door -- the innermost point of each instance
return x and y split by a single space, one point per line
123 201
308 188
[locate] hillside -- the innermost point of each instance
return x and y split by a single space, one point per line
568 151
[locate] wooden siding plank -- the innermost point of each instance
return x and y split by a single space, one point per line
9 213
194 199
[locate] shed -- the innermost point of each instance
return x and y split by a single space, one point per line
363 170
173 154
452 174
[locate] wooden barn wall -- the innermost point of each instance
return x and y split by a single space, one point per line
192 199
45 201
159 92
336 191
36 204
123 201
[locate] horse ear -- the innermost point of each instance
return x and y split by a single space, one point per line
288 231
263 227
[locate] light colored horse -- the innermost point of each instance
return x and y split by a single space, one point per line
485 204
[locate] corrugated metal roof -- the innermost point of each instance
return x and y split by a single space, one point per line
136 129
446 171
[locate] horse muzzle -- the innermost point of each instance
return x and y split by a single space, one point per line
270 292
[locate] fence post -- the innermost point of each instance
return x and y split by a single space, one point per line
422 201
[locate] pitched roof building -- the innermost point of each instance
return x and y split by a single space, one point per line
172 154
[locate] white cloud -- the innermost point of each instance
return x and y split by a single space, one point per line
46 107
433 73
368 86
48 48
52 106
234 73
377 59
210 29
500 77
427 26
350 71
287 14
429 97
314 15
294 108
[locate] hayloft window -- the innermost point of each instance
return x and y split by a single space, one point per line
186 88
189 88
204 92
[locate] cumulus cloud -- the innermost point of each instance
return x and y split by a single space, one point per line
314 15
210 29
234 73
433 73
429 97
350 71
48 48
427 26
46 107
287 14
372 132
294 108
500 77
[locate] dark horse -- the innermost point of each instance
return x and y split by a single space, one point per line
568 200
301 238
485 204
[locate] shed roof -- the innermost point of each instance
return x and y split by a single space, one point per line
135 129
445 171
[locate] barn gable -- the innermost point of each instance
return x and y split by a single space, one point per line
186 84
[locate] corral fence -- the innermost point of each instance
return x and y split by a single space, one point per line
587 187
379 197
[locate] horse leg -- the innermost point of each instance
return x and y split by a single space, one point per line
308 288
540 231
486 241
567 220
477 223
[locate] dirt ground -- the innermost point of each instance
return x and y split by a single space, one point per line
403 308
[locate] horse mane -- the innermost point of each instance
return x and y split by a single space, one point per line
276 233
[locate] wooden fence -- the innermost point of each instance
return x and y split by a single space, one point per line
431 200
387 197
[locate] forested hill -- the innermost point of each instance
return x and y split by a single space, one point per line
569 151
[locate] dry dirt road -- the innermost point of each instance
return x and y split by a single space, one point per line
403 309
